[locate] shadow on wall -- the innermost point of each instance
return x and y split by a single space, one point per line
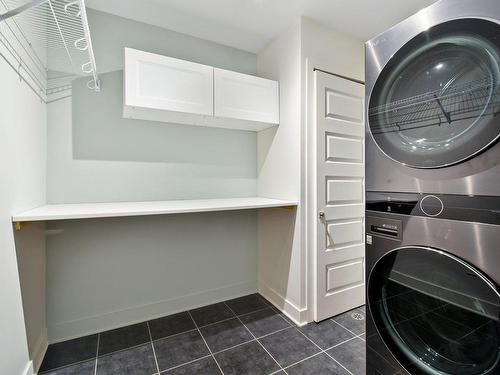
101 133
30 249
276 232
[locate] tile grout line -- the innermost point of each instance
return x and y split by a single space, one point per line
255 338
97 353
272 333
324 351
226 349
341 343
347 329
152 346
47 372
305 359
268 306
359 336
252 340
170 336
236 316
321 352
185 363
206 344
121 350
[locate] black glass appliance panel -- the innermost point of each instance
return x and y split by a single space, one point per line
437 101
436 314
479 209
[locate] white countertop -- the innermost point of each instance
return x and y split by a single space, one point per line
120 209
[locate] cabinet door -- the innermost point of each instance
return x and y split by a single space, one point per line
246 97
165 83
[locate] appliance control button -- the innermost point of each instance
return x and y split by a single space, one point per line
431 205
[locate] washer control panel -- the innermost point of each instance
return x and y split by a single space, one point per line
481 209
383 227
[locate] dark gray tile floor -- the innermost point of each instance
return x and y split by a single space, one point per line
245 335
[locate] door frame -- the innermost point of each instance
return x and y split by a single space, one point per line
310 211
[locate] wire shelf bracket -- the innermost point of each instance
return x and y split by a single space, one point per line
50 41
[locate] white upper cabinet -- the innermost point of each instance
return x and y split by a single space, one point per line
162 82
165 89
246 97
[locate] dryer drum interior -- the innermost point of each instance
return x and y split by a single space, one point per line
437 100
436 313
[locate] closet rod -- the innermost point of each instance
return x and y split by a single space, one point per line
23 79
20 9
340 76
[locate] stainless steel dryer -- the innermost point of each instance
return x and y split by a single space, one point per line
433 101
433 297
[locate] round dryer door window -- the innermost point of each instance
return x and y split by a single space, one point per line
437 101
436 313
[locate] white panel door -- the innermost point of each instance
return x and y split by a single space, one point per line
246 97
340 253
164 83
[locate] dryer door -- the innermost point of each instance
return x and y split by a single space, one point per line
436 313
437 101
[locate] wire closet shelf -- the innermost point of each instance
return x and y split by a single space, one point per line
51 42
460 102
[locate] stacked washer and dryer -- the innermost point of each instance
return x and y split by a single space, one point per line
433 192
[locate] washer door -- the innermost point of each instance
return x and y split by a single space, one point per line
437 101
436 313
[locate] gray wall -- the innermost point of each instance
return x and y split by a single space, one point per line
95 155
107 273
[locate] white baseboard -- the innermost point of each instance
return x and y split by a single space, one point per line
297 315
29 369
90 325
39 350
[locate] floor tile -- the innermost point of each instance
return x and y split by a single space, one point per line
348 321
247 359
171 325
84 368
225 334
211 314
352 355
289 346
319 364
69 352
326 333
123 338
205 366
136 361
247 304
179 349
263 322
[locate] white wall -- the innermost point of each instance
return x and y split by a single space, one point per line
142 268
331 51
22 186
285 251
281 256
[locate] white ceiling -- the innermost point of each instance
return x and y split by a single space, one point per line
251 24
